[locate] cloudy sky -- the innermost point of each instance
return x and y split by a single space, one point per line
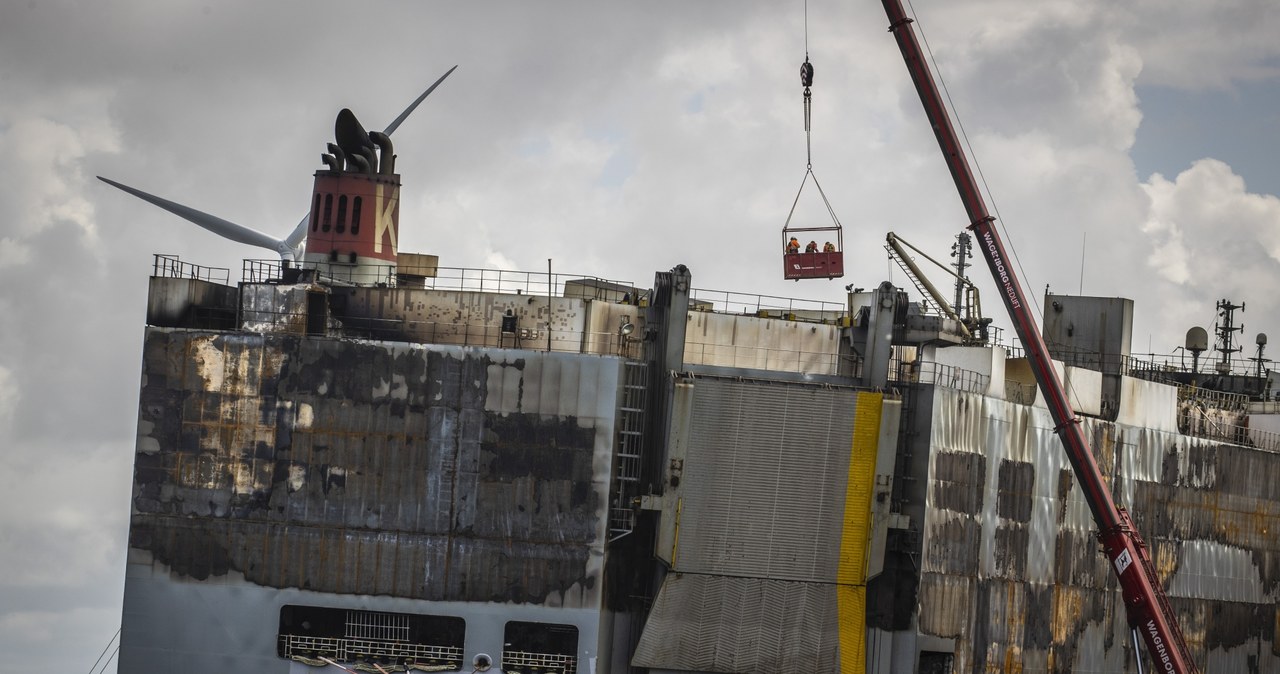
1136 139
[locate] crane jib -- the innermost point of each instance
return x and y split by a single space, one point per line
1162 651
997 263
1145 601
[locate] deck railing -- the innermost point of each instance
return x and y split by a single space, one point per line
169 266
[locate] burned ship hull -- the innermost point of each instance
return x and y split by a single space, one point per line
280 471
625 479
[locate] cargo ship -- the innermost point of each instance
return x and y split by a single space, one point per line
354 458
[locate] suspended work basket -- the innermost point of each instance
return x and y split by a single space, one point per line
812 252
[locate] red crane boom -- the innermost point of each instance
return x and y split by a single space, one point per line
1144 598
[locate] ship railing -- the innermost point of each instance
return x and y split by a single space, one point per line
363 654
169 266
1211 424
1208 398
1152 366
272 271
501 281
996 337
558 284
717 354
723 301
1112 363
947 376
260 271
524 662
532 283
1266 440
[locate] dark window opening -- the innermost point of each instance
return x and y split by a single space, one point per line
317 313
363 639
352 257
315 214
342 214
355 215
933 662
327 220
544 648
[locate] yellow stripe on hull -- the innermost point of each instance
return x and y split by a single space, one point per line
851 576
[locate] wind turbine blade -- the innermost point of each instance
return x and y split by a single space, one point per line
223 228
298 234
413 106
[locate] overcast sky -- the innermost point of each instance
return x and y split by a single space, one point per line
1138 139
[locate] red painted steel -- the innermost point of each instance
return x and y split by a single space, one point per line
370 230
812 265
822 264
1148 607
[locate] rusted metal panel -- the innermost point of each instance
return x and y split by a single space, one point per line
946 601
470 318
1005 526
374 468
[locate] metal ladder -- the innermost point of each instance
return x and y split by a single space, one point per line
630 447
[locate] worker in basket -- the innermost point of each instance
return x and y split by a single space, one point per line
793 246
812 247
828 247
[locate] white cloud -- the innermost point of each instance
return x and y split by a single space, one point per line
1203 45
1212 239
45 140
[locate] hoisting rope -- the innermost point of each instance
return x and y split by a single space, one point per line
806 80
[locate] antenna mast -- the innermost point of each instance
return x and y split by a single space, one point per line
1226 330
961 250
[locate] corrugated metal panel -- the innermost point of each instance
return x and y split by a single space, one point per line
744 625
773 531
764 484
430 472
1011 568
